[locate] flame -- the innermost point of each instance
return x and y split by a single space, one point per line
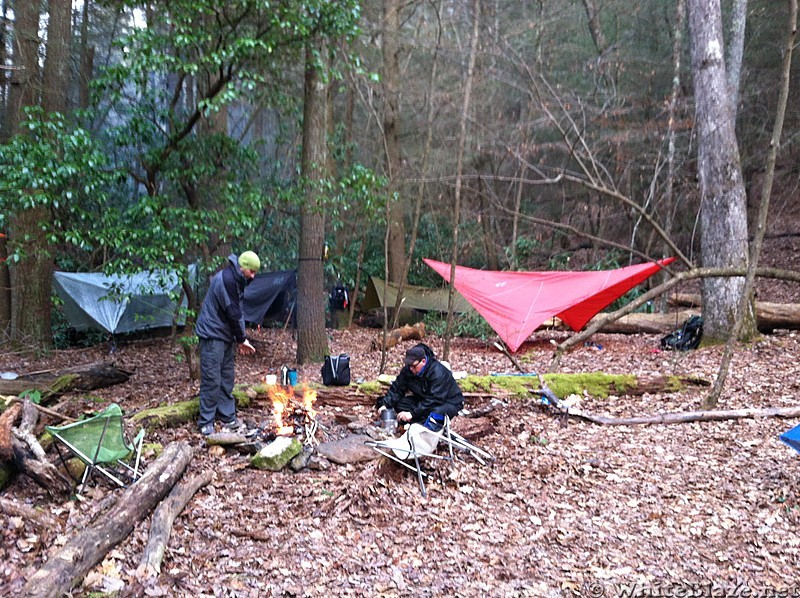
285 404
309 396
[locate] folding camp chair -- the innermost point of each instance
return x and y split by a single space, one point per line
418 442
100 443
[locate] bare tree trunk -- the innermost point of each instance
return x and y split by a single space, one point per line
4 75
462 140
56 64
735 53
312 344
23 92
745 304
391 124
412 243
87 58
723 206
669 196
595 26
31 275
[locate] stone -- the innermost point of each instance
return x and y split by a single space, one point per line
276 454
350 449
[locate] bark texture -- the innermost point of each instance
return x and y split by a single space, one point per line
723 209
312 344
69 564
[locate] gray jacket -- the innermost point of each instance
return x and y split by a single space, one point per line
221 315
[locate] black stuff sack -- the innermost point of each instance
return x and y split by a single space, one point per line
336 370
687 337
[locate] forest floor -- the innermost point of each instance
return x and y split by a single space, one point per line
564 510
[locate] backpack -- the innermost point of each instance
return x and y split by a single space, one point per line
687 337
338 298
336 370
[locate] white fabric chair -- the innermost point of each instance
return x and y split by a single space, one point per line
418 442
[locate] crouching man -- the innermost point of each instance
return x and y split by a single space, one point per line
424 391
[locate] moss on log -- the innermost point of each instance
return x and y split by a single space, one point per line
176 414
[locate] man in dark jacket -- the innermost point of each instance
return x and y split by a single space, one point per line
424 390
218 327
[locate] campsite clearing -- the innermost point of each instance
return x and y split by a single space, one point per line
563 511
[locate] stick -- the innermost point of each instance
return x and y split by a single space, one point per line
502 347
46 410
690 416
161 523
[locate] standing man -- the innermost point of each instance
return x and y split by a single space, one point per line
219 326
424 391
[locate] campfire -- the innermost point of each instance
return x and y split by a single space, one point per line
293 412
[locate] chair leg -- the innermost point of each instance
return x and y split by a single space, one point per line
419 469
138 458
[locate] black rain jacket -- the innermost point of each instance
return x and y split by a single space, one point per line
433 391
221 315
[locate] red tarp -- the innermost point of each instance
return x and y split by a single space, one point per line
516 303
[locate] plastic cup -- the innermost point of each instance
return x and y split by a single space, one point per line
271 379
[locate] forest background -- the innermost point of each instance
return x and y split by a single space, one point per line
347 139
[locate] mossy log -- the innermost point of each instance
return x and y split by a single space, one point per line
176 414
54 382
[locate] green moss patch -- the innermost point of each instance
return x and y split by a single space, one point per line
596 384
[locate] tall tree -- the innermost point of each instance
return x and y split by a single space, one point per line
736 53
31 275
723 208
462 139
23 92
391 124
312 344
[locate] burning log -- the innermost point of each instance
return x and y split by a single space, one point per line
293 413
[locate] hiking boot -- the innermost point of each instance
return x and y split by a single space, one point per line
234 426
207 430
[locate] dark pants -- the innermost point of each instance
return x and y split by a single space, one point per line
408 403
216 382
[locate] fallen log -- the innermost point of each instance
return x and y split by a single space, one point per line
769 316
38 518
7 421
54 382
30 458
404 333
68 565
161 523
641 323
688 416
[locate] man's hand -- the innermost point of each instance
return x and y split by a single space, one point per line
246 348
381 409
404 416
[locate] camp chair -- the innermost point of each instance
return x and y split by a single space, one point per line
100 443
418 442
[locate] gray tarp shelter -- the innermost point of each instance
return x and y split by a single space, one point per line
419 298
119 303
